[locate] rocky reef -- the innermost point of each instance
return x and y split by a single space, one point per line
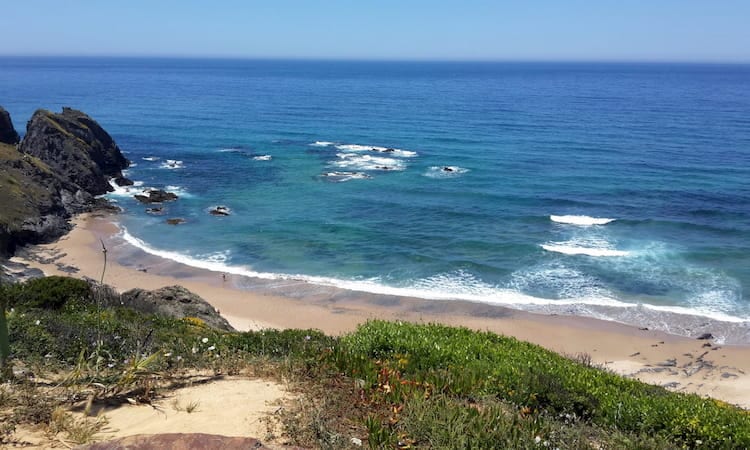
63 162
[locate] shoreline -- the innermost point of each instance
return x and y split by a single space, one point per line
677 362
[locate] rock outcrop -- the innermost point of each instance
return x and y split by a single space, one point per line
72 143
156 196
174 301
178 441
8 134
63 162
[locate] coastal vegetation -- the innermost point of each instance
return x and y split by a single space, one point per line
388 384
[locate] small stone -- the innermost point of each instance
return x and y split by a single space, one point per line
705 336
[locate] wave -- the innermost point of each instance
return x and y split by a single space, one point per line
359 162
150 158
458 285
179 190
321 144
581 220
231 150
374 148
588 251
262 157
339 177
172 164
126 191
445 171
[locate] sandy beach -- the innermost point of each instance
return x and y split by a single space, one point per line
678 363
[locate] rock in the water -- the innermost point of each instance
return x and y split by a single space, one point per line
705 336
177 302
8 134
219 211
178 441
155 211
122 181
176 221
156 196
73 144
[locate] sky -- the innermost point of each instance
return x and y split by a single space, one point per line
531 30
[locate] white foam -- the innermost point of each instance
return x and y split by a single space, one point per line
263 158
321 144
588 251
346 176
445 171
126 191
581 220
172 164
452 286
179 190
230 150
150 158
374 148
358 162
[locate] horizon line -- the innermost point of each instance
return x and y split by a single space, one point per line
375 60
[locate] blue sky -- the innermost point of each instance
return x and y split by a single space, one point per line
635 30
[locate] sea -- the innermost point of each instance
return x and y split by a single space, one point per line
614 190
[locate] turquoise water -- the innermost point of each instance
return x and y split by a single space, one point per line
662 150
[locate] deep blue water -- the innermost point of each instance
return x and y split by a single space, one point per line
663 149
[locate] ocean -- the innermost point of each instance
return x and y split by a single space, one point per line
609 190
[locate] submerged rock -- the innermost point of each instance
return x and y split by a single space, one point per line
176 221
177 302
156 196
122 181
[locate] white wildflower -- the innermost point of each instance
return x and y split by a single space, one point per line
37 322
537 440
204 340
167 355
211 348
195 350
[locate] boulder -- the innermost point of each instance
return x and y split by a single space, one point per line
8 134
176 302
75 146
156 196
122 181
177 441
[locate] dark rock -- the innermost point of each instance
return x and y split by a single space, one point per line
447 169
156 196
122 181
177 302
219 211
668 363
176 221
155 211
178 441
8 134
74 145
705 336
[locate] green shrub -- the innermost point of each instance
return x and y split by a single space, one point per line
466 364
47 293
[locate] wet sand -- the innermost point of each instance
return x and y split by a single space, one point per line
679 363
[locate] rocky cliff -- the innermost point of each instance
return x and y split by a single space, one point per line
8 134
74 145
63 162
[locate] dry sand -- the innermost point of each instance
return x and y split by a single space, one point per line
679 363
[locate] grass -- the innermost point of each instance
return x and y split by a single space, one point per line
388 384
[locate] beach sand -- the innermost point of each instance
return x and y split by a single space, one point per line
678 363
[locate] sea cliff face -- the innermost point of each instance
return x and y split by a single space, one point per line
63 162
